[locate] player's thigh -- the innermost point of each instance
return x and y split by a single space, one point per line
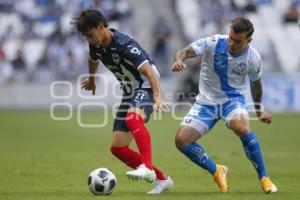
119 123
142 103
236 116
239 124
138 111
186 135
199 120
121 139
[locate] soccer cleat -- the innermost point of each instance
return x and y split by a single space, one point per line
267 185
142 173
161 185
220 177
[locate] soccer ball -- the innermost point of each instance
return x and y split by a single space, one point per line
102 181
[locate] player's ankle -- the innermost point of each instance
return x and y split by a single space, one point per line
149 166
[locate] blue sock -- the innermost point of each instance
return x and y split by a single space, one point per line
197 154
253 152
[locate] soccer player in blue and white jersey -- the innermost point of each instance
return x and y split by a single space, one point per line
226 61
139 79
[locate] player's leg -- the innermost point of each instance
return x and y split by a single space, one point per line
143 141
185 141
136 118
122 138
137 115
196 124
135 123
120 149
237 119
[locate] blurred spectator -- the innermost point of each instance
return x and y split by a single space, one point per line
6 6
125 14
161 33
44 25
43 69
251 6
6 71
291 15
27 9
2 54
57 54
217 13
213 12
19 67
19 62
29 30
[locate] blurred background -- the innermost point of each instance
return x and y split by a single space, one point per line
47 150
38 46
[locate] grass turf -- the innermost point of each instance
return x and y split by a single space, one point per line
45 159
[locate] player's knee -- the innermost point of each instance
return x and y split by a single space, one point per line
180 142
240 129
133 120
186 136
116 151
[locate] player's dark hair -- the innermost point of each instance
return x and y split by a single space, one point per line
88 19
242 25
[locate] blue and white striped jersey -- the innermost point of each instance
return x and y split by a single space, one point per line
123 58
222 75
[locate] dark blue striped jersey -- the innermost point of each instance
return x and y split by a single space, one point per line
123 57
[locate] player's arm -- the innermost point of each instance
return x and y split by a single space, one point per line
148 72
257 92
181 56
134 54
89 84
197 48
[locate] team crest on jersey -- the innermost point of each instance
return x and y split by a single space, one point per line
116 58
240 69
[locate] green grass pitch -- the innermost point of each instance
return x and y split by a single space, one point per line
45 159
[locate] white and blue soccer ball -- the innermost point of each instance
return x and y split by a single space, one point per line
102 181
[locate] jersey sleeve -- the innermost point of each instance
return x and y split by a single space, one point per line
93 54
133 53
255 67
202 45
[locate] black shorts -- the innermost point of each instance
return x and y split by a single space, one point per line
142 98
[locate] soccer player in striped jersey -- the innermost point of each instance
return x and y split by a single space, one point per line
226 61
139 79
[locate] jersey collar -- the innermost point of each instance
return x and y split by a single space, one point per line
241 53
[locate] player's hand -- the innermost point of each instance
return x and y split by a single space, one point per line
264 117
178 65
89 84
160 105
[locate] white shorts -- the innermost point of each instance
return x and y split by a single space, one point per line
203 117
